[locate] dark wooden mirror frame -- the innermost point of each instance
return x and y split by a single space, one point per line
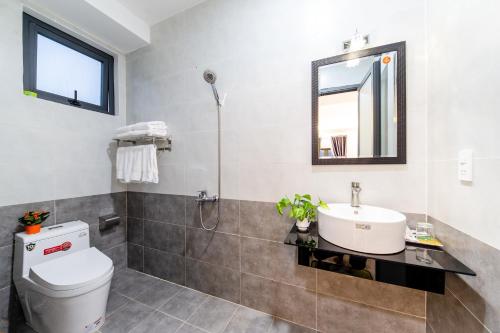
400 48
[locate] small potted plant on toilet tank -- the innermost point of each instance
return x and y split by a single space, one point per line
32 221
302 209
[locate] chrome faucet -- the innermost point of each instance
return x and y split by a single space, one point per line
355 189
203 197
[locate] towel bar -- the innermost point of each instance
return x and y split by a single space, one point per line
161 143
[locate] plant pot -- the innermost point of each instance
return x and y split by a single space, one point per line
32 229
303 225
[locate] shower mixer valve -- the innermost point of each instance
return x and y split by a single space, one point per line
203 197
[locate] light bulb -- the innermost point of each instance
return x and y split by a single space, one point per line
357 42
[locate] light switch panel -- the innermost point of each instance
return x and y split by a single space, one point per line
465 165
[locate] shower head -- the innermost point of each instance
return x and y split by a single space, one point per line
209 76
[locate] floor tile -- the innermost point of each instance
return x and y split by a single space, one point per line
184 303
247 320
131 283
158 294
115 301
213 315
281 326
126 318
157 322
186 328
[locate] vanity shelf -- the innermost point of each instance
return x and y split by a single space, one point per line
402 269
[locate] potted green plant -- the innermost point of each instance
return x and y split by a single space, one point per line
302 209
32 221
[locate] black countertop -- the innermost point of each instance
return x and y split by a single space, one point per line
441 260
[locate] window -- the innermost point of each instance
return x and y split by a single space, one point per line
60 68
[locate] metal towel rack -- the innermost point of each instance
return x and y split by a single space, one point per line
161 143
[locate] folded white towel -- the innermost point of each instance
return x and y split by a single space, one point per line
134 134
137 164
151 125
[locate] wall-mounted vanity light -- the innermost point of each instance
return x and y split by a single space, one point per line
357 42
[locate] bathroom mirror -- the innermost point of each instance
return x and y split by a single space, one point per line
358 107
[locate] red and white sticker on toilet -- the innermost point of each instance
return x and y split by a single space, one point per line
63 247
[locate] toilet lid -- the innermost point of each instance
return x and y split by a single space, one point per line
72 271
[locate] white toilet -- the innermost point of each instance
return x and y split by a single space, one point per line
62 282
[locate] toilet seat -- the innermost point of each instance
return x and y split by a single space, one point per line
71 275
73 271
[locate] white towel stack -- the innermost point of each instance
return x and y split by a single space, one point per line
151 128
137 164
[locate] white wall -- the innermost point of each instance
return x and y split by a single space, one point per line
464 112
49 150
262 55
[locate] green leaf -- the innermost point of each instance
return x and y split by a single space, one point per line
279 208
323 204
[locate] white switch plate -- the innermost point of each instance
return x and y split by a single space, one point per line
465 165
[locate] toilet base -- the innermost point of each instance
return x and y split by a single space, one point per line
79 314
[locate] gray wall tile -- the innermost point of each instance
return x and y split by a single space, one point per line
481 293
479 306
10 214
164 236
285 301
10 307
106 239
229 215
6 254
88 209
213 280
373 293
135 204
412 219
135 230
5 294
165 208
83 209
445 313
213 247
341 316
164 265
276 261
135 257
119 256
260 220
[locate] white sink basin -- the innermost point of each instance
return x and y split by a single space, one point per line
364 229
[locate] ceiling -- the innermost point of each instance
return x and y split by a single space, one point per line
122 24
154 11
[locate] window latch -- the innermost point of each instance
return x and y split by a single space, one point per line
74 101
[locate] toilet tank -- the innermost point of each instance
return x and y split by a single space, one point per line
50 243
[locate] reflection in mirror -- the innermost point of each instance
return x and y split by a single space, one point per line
357 107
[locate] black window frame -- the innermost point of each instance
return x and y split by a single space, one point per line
31 28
